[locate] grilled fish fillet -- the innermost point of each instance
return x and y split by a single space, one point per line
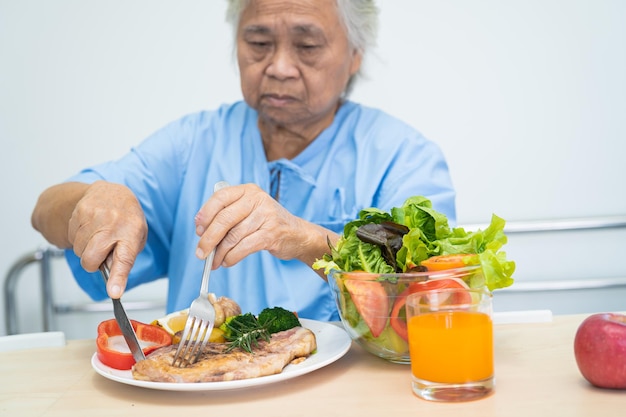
214 365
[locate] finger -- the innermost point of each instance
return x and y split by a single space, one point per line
222 230
72 229
121 262
76 234
95 252
230 254
216 203
219 201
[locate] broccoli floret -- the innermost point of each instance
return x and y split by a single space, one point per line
278 319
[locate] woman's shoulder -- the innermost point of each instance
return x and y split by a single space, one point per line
225 113
201 127
371 121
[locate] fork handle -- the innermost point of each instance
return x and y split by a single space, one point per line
204 286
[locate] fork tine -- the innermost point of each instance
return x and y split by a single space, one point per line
184 340
184 337
193 351
207 334
191 342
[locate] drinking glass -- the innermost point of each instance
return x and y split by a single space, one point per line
451 344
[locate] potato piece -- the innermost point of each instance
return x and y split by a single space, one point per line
224 307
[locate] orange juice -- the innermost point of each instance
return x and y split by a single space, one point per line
451 346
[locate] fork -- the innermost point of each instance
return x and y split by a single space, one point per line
201 316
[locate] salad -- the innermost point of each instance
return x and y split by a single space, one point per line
410 238
406 239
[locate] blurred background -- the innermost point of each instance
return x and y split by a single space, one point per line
526 98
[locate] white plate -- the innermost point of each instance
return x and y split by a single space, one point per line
332 343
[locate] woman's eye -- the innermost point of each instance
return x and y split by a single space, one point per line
258 43
308 49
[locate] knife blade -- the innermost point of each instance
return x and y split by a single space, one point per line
122 320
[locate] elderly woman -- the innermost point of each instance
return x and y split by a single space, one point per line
302 160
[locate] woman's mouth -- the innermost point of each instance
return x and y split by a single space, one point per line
277 100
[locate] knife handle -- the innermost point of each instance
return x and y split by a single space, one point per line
104 270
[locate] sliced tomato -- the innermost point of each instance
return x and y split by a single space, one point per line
398 313
443 262
371 301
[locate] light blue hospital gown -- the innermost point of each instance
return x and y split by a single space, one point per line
364 159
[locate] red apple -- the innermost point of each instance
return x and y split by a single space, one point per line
600 350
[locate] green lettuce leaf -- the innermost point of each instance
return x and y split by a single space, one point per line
429 235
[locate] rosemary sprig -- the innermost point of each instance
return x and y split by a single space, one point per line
244 331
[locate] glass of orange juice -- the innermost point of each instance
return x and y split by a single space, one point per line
451 343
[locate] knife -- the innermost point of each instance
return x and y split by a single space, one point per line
122 320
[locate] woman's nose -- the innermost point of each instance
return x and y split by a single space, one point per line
282 64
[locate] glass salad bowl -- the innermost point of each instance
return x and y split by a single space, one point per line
371 305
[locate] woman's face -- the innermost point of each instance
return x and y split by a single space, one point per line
294 60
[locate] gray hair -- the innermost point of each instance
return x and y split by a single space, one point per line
360 18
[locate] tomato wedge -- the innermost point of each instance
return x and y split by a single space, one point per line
443 262
371 301
398 313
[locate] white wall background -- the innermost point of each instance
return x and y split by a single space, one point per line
526 98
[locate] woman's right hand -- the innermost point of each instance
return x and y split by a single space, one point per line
108 224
